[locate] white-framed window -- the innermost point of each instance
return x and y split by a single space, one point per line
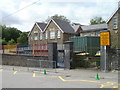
35 36
52 34
115 23
92 34
83 34
41 36
46 35
58 34
31 38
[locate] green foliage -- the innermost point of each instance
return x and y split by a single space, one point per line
11 42
10 33
56 16
97 20
23 39
3 42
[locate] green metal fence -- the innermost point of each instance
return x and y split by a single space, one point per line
87 44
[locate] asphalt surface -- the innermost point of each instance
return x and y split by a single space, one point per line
19 77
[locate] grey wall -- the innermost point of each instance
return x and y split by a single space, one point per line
68 61
19 60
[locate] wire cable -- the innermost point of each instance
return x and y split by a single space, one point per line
21 9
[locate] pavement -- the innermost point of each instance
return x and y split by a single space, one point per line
23 77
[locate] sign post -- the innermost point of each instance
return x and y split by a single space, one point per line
104 43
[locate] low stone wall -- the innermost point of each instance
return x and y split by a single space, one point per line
20 60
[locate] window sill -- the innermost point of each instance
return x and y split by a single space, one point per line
115 28
52 39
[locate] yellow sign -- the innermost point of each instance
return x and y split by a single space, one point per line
105 38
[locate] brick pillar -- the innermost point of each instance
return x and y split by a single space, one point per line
68 60
52 52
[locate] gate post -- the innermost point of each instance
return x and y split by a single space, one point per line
52 52
68 60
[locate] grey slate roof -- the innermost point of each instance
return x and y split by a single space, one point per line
41 25
94 27
65 26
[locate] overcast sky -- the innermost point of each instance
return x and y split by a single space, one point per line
78 11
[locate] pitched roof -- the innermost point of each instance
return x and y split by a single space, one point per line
94 27
40 25
113 14
65 26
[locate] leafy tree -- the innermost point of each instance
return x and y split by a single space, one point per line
97 20
3 42
23 39
56 16
11 42
10 33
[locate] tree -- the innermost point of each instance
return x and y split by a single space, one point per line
11 42
23 39
61 17
97 20
3 42
10 33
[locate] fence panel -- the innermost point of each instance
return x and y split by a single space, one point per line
40 49
41 65
35 49
25 49
10 49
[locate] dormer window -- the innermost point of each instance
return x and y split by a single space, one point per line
115 23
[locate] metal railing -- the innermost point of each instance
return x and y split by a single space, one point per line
40 65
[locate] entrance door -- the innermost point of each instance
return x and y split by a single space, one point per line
60 60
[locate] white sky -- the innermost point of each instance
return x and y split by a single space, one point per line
77 11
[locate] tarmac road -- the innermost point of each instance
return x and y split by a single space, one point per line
78 78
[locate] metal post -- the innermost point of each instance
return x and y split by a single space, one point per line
55 67
105 58
40 65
